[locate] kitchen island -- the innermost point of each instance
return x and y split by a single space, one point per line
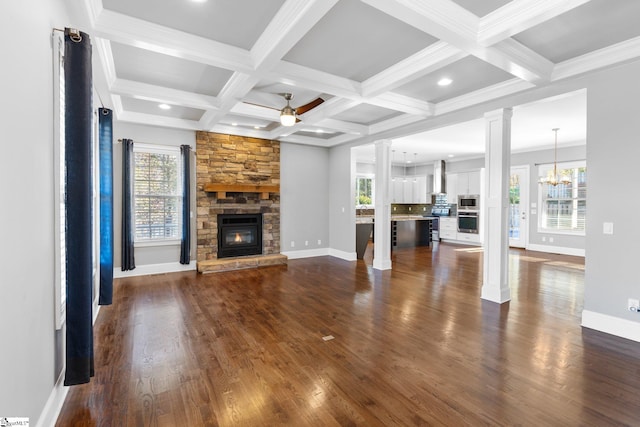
409 231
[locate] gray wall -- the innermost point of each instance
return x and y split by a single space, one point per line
159 136
304 197
613 153
26 236
342 213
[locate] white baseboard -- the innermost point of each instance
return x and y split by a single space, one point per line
306 253
556 250
52 408
611 325
347 256
144 270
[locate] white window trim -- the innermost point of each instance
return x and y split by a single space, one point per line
373 190
542 171
60 303
143 147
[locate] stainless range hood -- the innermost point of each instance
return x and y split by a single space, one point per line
439 180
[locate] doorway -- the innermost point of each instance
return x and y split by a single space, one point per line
519 206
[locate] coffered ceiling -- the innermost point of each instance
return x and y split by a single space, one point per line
222 65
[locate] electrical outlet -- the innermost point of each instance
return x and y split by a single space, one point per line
424 208
409 208
394 208
550 239
293 244
306 243
544 239
319 242
633 305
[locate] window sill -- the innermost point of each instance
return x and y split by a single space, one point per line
151 243
562 233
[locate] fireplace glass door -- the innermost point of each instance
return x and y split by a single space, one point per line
239 235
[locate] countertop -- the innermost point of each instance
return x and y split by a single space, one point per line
367 219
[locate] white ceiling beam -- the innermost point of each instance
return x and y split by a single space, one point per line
298 75
294 19
330 108
342 126
155 93
453 24
393 123
520 15
486 94
157 38
240 131
428 60
406 104
155 120
617 53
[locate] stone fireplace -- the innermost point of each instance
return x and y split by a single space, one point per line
236 175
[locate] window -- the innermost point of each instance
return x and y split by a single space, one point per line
60 210
364 191
564 206
157 193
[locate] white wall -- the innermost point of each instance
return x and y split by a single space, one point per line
26 236
154 255
304 200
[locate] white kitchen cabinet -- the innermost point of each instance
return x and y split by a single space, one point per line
448 228
468 238
397 191
409 191
451 186
468 183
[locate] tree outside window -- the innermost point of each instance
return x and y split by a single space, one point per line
158 196
364 191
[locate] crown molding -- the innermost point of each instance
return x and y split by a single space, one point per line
489 93
164 94
405 104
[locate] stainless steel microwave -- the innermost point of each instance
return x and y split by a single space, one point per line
470 202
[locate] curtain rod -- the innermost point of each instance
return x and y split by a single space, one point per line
193 150
560 161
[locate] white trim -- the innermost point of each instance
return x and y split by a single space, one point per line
160 242
307 253
611 325
144 270
52 408
556 250
144 147
347 256
382 264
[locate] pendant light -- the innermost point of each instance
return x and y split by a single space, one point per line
393 156
415 176
553 178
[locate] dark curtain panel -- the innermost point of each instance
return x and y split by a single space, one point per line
105 118
185 245
128 261
78 199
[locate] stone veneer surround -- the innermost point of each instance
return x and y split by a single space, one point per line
230 159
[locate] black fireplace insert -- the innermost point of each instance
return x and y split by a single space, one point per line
239 235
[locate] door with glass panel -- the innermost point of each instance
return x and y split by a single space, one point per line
519 206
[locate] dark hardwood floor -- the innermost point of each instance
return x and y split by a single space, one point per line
413 346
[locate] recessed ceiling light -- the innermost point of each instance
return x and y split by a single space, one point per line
199 1
445 81
164 106
257 127
450 155
234 124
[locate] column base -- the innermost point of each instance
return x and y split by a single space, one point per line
494 294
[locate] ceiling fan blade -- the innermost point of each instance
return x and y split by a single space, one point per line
306 107
260 105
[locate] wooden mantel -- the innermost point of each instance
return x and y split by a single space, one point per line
222 189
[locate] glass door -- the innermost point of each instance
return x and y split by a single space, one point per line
519 206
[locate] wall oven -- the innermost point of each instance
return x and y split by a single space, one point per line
468 222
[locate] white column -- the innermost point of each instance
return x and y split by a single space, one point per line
382 226
495 213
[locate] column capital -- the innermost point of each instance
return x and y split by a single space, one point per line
503 113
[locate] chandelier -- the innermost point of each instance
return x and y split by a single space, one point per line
553 177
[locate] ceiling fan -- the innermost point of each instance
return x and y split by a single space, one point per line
288 114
